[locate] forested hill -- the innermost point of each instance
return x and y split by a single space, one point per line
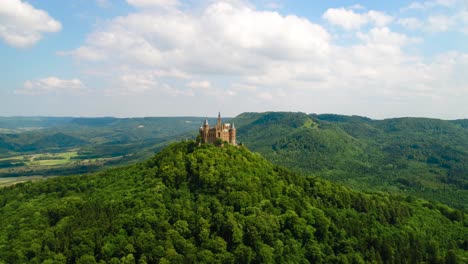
207 204
418 156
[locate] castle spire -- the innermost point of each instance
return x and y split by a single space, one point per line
233 126
219 125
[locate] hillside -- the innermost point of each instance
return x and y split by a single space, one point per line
423 157
94 142
207 204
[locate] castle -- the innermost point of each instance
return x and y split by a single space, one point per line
221 131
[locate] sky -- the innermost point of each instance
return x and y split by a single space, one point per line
130 58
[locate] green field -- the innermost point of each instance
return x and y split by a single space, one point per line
52 164
4 182
45 159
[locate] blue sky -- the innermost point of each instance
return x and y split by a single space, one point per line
170 58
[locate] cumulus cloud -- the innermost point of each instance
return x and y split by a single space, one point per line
52 85
224 38
349 19
179 37
22 25
249 59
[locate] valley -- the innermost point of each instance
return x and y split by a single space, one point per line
51 146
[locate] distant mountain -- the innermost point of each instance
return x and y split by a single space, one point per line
99 142
32 122
207 204
57 140
92 132
424 157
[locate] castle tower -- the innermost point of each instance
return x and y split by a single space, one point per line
219 124
204 131
232 135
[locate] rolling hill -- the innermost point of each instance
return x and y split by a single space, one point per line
207 204
423 157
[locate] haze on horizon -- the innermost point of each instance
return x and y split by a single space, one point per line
197 57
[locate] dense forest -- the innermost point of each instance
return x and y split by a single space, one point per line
417 156
195 203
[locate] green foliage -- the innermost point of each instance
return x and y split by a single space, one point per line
208 204
414 156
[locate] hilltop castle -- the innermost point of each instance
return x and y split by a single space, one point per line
222 131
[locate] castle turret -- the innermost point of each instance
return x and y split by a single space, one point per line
204 131
232 135
219 125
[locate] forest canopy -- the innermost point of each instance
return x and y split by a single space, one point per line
209 204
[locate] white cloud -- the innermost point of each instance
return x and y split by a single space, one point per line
410 23
153 3
250 60
440 23
223 38
421 5
137 83
52 85
384 36
379 19
439 16
357 7
199 84
349 20
22 25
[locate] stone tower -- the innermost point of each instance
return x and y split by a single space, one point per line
232 135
